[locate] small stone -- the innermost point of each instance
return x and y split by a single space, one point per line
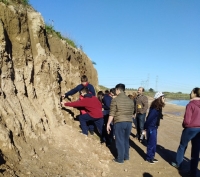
125 170
103 174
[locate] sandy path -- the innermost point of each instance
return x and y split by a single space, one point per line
74 155
169 134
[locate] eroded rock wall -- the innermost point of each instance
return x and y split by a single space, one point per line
35 70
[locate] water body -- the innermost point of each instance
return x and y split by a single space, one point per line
179 102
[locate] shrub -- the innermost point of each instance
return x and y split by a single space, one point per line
24 2
4 1
50 30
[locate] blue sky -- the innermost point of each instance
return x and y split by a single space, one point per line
150 43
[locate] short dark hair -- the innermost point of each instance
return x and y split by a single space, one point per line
85 90
106 91
120 87
113 91
196 91
84 78
100 95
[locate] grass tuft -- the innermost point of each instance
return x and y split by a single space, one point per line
50 30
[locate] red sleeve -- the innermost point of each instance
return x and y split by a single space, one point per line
80 103
187 116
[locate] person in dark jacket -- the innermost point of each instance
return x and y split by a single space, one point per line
140 109
151 126
84 83
105 99
191 131
121 112
93 109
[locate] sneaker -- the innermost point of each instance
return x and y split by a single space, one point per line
175 165
116 161
155 160
150 161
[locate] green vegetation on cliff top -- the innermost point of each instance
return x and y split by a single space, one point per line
24 2
50 30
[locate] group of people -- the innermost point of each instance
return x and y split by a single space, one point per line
113 113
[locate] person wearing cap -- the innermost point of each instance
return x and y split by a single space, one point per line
151 125
140 109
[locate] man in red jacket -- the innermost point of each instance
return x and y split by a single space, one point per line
93 109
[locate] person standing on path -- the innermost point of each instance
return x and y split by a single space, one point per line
140 109
195 151
151 125
191 131
121 111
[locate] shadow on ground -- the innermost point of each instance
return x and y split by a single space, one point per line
147 175
113 149
170 156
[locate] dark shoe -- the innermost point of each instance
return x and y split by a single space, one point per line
151 161
175 165
108 144
190 174
155 160
116 161
91 132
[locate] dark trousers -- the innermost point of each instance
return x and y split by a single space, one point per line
97 121
90 125
107 138
195 151
122 133
187 135
151 143
140 118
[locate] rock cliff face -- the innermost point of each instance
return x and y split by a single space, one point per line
35 69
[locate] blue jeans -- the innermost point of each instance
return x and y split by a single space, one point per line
195 151
187 135
84 118
140 118
151 143
122 133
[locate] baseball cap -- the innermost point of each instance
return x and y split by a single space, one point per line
158 94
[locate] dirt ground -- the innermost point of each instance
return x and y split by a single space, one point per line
169 134
71 154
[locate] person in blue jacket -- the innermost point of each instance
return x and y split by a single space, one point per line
151 125
78 88
84 83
